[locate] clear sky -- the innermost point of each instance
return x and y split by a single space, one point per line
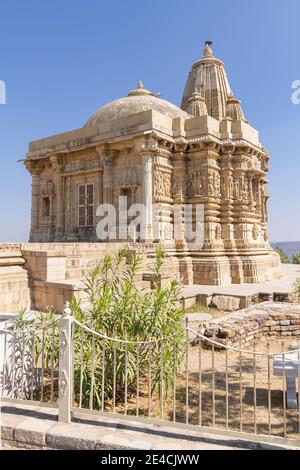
62 59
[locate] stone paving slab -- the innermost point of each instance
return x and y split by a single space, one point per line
37 427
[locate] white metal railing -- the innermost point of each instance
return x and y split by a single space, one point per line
184 379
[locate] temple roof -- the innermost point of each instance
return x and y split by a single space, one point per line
137 101
209 74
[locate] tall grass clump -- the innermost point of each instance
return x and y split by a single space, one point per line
150 321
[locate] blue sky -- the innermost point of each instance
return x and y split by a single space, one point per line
62 59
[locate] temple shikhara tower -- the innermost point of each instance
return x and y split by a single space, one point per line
157 154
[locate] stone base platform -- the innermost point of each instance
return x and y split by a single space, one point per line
240 296
37 275
15 283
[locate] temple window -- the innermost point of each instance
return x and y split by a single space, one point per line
46 207
85 205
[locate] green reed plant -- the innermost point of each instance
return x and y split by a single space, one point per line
119 309
149 322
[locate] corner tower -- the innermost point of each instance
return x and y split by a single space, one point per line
228 165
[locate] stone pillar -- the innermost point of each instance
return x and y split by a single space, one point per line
107 182
35 170
227 189
179 181
211 152
35 203
58 166
106 156
147 171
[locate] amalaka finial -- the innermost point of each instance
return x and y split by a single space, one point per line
141 91
207 53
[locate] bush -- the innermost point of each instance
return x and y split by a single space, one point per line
297 287
283 257
296 258
150 321
118 309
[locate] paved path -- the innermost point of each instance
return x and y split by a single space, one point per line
36 427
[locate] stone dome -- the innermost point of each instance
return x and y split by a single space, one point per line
137 101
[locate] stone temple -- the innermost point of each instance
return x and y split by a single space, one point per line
162 156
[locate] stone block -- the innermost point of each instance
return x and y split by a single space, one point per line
271 323
223 333
125 440
226 303
73 436
33 431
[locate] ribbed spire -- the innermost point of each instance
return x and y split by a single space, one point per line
234 109
210 72
197 103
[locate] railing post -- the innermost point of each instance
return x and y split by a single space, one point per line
65 366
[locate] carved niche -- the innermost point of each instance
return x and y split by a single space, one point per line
129 179
255 232
214 183
245 188
196 183
218 232
177 187
162 185
47 189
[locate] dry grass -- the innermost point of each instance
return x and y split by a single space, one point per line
213 394
198 308
217 394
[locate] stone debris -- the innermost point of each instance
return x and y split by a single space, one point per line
268 320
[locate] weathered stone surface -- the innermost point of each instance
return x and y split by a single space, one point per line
256 322
73 436
271 323
198 317
33 431
226 303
